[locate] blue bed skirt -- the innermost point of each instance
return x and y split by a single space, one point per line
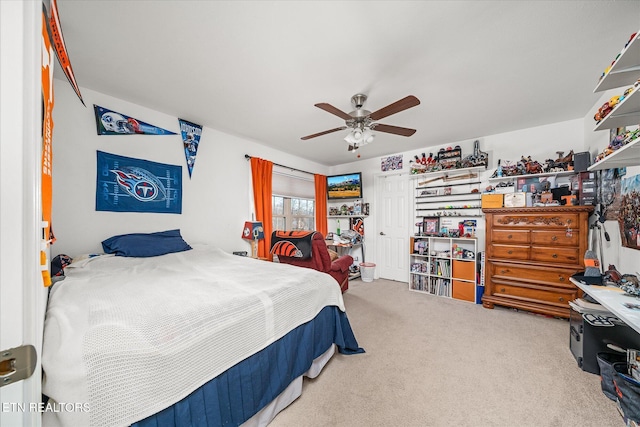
240 392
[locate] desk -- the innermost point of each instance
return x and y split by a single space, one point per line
613 299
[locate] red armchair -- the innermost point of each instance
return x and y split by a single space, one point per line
321 260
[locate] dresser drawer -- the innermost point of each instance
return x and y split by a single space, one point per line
533 274
555 255
509 251
555 237
531 220
505 235
533 293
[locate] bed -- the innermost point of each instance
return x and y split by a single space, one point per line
195 337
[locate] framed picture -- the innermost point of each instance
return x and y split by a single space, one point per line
431 225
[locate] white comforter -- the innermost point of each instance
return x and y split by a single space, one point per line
126 337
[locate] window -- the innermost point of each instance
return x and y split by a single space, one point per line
293 200
293 213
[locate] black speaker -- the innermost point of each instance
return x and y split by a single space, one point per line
559 192
581 161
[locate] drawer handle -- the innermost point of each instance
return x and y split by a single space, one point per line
504 271
554 238
509 236
502 290
510 252
561 278
554 256
561 299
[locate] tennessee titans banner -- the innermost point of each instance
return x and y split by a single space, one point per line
111 123
191 138
125 184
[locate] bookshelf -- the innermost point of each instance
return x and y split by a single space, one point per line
446 267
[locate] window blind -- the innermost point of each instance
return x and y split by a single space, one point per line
290 184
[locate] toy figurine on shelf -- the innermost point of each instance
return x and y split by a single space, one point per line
499 171
430 160
566 159
478 158
417 167
552 166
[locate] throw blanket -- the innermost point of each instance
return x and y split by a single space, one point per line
132 336
296 244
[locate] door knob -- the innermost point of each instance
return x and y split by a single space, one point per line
382 233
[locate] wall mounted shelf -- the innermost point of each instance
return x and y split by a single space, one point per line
533 175
624 72
625 69
447 172
626 112
629 155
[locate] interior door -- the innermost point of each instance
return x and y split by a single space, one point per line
22 295
392 213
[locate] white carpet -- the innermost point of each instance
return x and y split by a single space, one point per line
433 361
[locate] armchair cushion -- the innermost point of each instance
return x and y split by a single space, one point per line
321 260
342 264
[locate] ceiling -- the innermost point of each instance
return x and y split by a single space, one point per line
255 69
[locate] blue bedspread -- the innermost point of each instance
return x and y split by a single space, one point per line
240 392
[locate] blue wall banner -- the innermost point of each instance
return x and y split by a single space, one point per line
191 138
125 184
109 122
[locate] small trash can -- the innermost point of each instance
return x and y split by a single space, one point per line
367 271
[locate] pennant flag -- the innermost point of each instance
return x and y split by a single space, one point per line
111 123
191 138
47 134
61 49
125 184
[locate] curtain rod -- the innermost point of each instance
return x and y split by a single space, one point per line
248 157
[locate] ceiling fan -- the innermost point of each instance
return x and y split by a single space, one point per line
361 121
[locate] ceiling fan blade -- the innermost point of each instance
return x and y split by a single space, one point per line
333 110
393 129
323 133
396 107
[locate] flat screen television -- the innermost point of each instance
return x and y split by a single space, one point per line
345 186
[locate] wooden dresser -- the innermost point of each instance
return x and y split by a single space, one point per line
531 254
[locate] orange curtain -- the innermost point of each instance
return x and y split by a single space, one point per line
261 177
321 203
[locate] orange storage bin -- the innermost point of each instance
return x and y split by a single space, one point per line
464 269
464 290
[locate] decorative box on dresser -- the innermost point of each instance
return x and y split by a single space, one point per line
531 254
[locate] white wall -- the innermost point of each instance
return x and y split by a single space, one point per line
626 260
216 200
540 143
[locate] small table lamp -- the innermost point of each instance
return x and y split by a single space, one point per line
253 231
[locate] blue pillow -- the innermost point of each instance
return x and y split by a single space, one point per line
145 244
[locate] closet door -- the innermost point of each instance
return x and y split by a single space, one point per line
392 219
22 295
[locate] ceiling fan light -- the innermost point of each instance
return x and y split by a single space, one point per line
357 134
350 139
368 136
